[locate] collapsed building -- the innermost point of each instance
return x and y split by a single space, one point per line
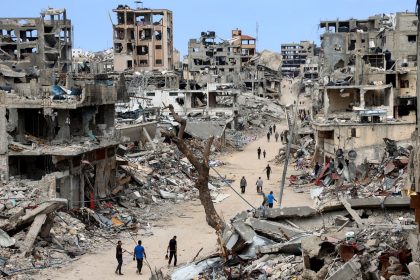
367 85
143 39
53 122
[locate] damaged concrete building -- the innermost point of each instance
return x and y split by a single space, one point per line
295 55
367 84
43 42
143 39
52 122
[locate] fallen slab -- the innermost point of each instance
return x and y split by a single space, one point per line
33 233
244 231
290 212
352 213
275 231
5 239
348 271
370 202
30 215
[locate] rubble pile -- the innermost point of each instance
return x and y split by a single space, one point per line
299 243
382 179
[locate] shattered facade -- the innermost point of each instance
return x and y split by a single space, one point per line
367 84
143 39
294 56
44 42
55 122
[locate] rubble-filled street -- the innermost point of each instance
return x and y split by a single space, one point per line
191 147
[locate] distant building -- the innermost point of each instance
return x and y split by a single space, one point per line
294 55
143 39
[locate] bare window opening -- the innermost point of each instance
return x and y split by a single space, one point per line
129 64
146 34
173 93
158 47
142 50
157 19
339 64
130 18
118 47
131 34
411 38
353 132
158 35
144 62
129 48
352 45
150 94
412 58
120 18
404 84
140 20
119 34
158 61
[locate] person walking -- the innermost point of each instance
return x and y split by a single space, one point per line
139 254
243 184
270 199
172 249
274 128
282 137
268 136
316 169
259 152
276 136
259 184
119 256
270 129
264 153
268 171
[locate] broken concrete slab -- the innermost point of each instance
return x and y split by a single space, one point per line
290 212
33 233
275 231
30 215
414 269
371 202
6 240
167 195
353 213
244 231
290 247
348 271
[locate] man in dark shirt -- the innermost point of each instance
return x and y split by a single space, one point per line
172 248
119 257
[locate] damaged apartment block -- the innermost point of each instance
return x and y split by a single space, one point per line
51 122
37 43
143 39
368 85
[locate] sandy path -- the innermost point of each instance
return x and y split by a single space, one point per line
191 228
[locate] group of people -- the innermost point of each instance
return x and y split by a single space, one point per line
271 130
139 255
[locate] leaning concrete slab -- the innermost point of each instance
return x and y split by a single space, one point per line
33 233
244 231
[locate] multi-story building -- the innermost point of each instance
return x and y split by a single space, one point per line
43 42
245 45
143 39
294 55
368 84
52 123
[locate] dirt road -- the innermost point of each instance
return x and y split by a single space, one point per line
188 221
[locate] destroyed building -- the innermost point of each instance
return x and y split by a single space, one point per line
214 56
367 84
51 121
143 39
245 45
295 55
43 42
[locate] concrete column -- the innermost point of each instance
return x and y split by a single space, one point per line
362 98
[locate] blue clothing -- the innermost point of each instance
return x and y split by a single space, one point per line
270 198
139 251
